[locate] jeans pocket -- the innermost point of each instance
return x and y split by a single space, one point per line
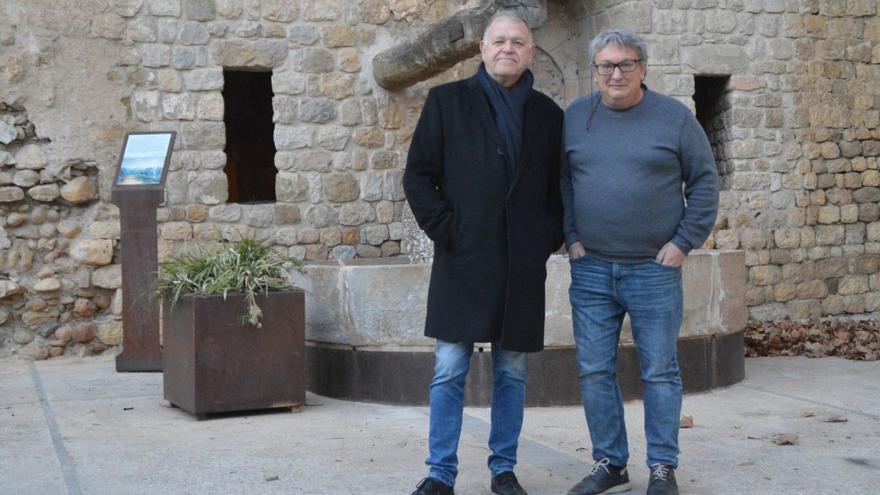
667 267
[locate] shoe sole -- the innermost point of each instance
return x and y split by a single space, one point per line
623 487
616 489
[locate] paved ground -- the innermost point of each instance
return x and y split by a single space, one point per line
76 426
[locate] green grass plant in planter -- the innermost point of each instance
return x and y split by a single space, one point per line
247 267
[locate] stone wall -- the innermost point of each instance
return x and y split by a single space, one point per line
796 134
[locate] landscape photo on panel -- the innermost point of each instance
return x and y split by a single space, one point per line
143 159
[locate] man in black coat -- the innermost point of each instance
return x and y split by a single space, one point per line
482 179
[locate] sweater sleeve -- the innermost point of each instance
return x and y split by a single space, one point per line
423 174
566 188
700 176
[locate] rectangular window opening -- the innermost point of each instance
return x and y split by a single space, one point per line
712 106
250 145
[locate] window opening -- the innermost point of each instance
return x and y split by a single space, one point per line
250 145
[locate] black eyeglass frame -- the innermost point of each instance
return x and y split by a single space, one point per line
636 62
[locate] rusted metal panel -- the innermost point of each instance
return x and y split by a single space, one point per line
140 265
213 363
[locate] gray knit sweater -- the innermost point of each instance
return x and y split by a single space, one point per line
622 177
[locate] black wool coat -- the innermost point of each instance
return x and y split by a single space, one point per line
492 233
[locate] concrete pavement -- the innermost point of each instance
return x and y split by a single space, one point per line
71 426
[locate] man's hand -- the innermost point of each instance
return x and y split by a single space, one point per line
576 250
670 255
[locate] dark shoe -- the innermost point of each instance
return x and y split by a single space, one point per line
662 480
431 486
603 479
506 484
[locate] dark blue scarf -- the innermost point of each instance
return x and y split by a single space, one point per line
509 106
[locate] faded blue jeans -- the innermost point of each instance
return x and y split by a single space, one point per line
452 361
601 292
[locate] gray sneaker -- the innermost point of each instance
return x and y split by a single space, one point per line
603 479
662 480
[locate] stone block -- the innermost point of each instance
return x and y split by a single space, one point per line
79 190
374 11
200 10
9 288
288 83
203 79
321 10
287 214
331 236
31 157
25 178
333 138
155 55
314 161
103 229
45 193
831 268
341 188
866 195
337 86
280 10
210 107
348 60
169 8
203 135
193 33
317 111
264 54
318 60
853 284
303 34
291 188
110 333
176 231
143 30
375 234
209 188
47 285
715 59
292 138
178 106
92 251
356 213
370 137
108 277
11 194
337 36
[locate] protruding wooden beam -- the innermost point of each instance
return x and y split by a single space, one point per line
446 43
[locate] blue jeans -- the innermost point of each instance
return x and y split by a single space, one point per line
452 361
601 292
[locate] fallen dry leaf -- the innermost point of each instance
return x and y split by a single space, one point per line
836 418
686 422
807 414
785 439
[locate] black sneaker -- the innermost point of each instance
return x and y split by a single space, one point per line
506 484
662 480
603 479
431 486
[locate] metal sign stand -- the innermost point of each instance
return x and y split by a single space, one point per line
137 198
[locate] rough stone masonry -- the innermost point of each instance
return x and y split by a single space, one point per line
796 131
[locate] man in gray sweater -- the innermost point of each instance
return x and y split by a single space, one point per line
640 190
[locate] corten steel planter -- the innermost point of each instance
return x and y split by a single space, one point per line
214 363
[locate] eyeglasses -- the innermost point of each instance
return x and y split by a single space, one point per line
607 68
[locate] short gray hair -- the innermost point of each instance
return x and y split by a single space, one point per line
509 14
622 37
